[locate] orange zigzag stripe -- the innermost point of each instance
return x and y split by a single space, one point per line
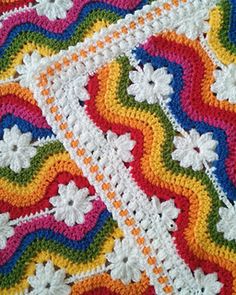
34 191
115 286
154 170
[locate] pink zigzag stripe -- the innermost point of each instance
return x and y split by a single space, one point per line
56 26
76 232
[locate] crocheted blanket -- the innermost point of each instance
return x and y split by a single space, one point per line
117 147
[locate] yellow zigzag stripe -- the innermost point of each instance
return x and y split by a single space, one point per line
154 170
33 192
63 263
221 52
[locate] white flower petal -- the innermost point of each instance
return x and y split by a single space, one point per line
225 83
27 70
194 26
133 89
4 217
149 84
3 242
136 76
194 150
227 223
124 262
207 284
178 154
71 204
122 144
48 281
34 282
6 230
53 10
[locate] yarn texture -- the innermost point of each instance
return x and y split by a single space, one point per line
117 147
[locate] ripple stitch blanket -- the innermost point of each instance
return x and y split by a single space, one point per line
117 147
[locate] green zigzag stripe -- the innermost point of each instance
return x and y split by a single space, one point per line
27 175
225 10
39 40
78 257
129 102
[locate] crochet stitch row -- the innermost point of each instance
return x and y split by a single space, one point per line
222 34
38 237
130 182
57 112
102 105
26 31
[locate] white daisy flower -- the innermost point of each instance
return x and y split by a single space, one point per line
208 284
195 150
72 203
6 230
48 281
227 224
77 88
149 84
28 69
194 24
122 144
73 85
53 9
225 83
16 149
125 264
167 212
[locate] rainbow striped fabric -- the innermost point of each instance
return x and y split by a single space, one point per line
117 147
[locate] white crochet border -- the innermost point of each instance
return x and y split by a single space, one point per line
118 176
